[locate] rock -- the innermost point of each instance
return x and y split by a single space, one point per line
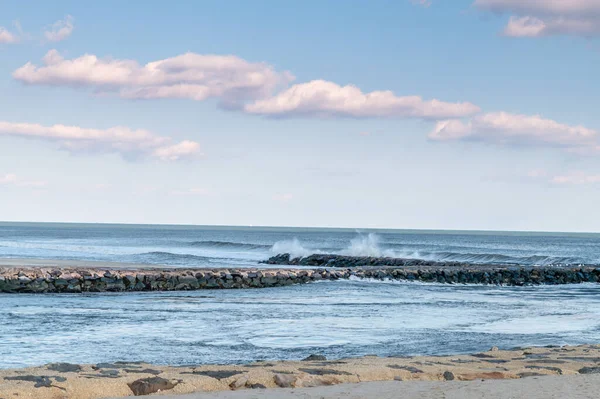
407 368
285 380
216 374
257 386
530 374
589 370
448 376
147 386
494 349
64 367
324 372
143 371
40 381
110 373
239 383
493 375
313 358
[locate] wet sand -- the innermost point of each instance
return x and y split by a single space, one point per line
569 367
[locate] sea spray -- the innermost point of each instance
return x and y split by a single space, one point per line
292 247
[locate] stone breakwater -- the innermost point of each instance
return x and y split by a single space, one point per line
343 261
77 280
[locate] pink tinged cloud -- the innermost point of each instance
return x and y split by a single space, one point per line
536 18
60 30
13 180
576 178
320 98
121 140
7 37
514 129
192 76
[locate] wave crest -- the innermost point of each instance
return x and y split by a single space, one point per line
228 244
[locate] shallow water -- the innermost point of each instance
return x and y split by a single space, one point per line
338 319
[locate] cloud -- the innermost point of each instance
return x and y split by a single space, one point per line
320 98
7 37
576 178
513 129
13 180
535 18
424 3
191 76
60 30
256 88
194 191
121 140
287 197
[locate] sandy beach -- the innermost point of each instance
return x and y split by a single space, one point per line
560 366
565 387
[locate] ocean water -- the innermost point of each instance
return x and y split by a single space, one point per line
335 318
198 246
338 319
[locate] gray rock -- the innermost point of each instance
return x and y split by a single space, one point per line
147 386
324 372
313 358
448 375
239 383
589 370
64 367
217 374
285 380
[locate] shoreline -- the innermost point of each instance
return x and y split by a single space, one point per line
55 279
121 379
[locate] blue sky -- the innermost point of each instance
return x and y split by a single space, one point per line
302 113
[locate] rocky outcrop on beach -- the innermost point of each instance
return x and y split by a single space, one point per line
76 280
122 378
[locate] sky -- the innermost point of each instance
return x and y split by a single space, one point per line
467 114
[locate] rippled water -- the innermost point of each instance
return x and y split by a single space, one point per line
202 246
338 319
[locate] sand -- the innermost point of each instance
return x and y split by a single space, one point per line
566 365
564 387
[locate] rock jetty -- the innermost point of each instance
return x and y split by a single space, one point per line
76 280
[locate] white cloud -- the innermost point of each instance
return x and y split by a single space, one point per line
577 178
513 129
547 7
424 3
13 180
238 84
286 197
122 140
60 30
535 27
194 191
192 76
7 37
535 18
320 98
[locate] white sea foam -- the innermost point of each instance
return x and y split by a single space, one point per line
293 247
367 245
361 245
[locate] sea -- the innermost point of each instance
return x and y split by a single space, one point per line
335 318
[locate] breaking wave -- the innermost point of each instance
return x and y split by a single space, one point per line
228 245
371 245
170 258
